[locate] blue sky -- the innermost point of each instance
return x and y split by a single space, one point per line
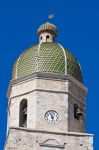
78 24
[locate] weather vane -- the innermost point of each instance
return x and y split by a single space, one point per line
51 16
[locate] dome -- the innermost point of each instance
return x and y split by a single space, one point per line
48 57
48 27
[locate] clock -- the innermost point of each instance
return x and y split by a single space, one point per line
51 116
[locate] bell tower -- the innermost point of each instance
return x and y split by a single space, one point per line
47 98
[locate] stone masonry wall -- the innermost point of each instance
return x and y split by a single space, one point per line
19 139
42 95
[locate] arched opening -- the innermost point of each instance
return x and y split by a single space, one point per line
41 37
53 39
77 112
47 37
23 113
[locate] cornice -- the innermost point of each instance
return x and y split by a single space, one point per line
46 76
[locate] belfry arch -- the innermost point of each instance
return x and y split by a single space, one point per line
23 113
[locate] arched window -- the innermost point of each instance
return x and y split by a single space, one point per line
23 113
77 112
53 39
47 37
41 37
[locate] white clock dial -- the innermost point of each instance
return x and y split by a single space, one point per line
51 116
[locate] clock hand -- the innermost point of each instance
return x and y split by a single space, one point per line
52 117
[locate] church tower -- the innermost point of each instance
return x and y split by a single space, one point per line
47 98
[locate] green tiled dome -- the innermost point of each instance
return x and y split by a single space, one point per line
47 57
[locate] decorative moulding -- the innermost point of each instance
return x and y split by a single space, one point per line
52 143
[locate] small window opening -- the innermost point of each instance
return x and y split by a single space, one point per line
53 39
47 37
41 37
77 112
23 113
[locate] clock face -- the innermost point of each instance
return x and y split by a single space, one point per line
51 116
